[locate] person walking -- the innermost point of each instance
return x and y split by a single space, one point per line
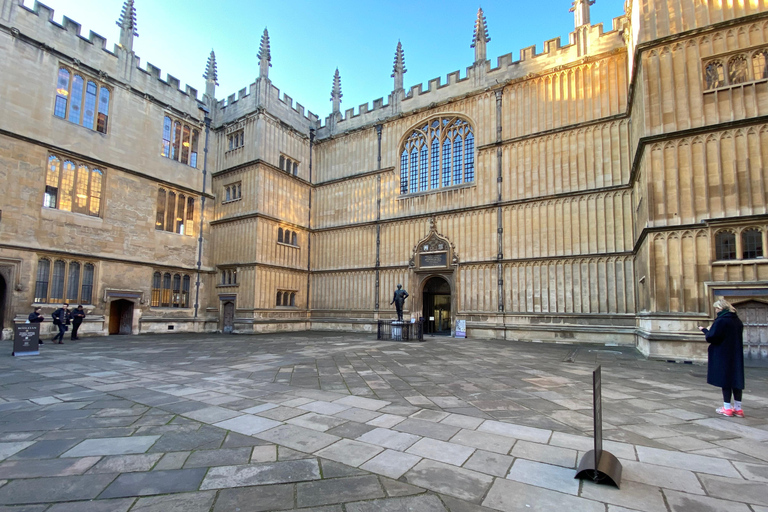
35 317
61 319
725 365
77 318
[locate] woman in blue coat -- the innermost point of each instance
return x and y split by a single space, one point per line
725 367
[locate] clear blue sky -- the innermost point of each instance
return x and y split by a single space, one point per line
310 39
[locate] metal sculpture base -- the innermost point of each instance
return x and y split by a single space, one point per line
608 470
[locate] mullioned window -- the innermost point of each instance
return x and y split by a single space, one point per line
82 100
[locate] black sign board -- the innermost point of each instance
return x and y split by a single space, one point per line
439 259
26 339
600 466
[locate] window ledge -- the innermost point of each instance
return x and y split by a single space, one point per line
227 285
54 213
751 261
171 232
733 86
232 200
228 151
168 308
471 184
288 245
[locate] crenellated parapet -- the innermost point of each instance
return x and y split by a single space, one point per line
482 76
66 42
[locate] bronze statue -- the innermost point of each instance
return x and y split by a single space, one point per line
398 300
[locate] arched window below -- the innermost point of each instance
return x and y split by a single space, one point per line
166 297
176 291
752 244
86 292
280 235
43 276
293 299
738 70
760 65
279 301
157 287
295 168
282 162
714 75
73 281
57 280
285 298
185 292
725 246
293 238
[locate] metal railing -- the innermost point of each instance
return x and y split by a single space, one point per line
400 332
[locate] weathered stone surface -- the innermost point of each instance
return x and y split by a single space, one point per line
222 457
351 453
551 477
512 496
449 453
682 502
183 502
339 490
490 463
414 503
443 478
261 474
258 498
46 468
389 439
632 495
298 438
154 482
117 505
53 490
391 463
733 489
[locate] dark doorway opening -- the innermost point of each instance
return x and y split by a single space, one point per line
437 306
3 298
229 317
121 317
754 314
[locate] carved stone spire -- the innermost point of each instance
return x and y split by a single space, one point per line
580 10
399 69
127 24
211 76
480 38
336 92
265 57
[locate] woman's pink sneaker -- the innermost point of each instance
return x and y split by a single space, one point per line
724 411
738 413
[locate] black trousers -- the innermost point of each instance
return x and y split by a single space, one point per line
75 327
727 394
62 330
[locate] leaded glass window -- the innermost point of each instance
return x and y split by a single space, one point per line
175 212
725 246
752 244
450 153
714 75
760 64
738 71
73 187
76 100
71 281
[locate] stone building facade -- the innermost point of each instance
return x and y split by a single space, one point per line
605 190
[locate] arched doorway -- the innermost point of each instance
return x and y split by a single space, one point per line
3 298
120 317
754 314
228 316
436 300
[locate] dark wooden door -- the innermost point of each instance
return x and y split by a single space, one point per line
754 314
229 317
121 317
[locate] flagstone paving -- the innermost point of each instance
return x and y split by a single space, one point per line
343 423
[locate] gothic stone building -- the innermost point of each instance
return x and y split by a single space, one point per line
604 190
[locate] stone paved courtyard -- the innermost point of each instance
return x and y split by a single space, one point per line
340 422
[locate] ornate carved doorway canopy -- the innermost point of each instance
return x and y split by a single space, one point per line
433 253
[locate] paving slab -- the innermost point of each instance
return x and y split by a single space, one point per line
484 441
661 476
696 463
537 435
551 477
682 502
450 453
261 474
46 449
53 490
8 449
428 503
212 414
510 496
182 502
221 457
154 482
116 505
112 446
637 496
361 402
461 483
174 460
389 438
247 424
298 438
462 421
490 463
332 469
126 463
745 491
265 453
338 490
46 468
256 499
548 454
351 453
391 463
327 408
202 438
431 429
386 420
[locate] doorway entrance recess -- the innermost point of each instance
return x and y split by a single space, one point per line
436 299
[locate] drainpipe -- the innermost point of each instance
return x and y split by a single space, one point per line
202 208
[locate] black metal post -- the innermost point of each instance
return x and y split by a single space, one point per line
202 209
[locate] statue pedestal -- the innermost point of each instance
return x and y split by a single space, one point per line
397 330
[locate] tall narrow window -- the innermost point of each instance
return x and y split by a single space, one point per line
193 154
282 162
57 280
43 276
447 163
752 244
90 105
414 170
286 297
66 186
404 172
182 202
760 65
81 190
185 292
188 225
52 183
73 281
423 162
176 145
469 158
160 219
293 300
176 290
279 301
171 208
95 195
714 75
167 137
293 239
166 297
185 145
76 99
457 163
101 125
725 246
295 168
157 289
87 289
434 163
738 70
280 235
62 93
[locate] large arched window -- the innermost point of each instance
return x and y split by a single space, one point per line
760 64
71 281
445 143
76 99
725 246
73 187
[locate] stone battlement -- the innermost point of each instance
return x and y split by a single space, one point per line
263 94
482 76
37 24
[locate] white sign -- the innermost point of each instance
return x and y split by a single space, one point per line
461 329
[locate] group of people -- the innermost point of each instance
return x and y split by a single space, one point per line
62 318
